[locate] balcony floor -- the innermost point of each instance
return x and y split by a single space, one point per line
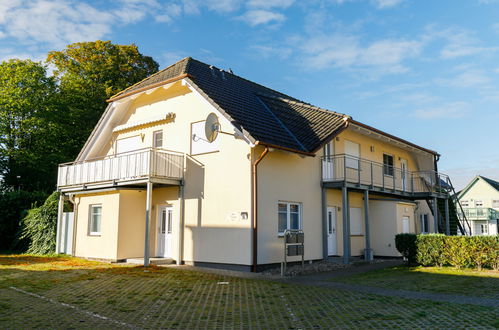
120 183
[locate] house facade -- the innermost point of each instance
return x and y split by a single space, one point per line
155 179
480 204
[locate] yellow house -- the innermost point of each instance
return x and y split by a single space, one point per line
480 205
204 167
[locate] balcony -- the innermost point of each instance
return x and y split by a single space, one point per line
340 170
479 213
136 167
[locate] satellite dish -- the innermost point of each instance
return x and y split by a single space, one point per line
211 127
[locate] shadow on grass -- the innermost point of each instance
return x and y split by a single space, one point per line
446 280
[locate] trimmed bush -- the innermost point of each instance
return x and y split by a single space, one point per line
430 250
458 251
406 245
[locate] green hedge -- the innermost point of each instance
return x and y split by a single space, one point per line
458 251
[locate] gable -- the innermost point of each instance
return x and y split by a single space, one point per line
479 188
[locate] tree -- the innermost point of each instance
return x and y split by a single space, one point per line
27 102
90 73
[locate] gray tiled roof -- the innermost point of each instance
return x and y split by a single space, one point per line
493 183
265 115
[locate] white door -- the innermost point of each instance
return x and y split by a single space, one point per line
165 231
327 163
331 231
405 225
403 167
352 151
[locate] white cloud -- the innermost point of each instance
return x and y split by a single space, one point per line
346 52
447 111
271 51
258 17
266 4
383 4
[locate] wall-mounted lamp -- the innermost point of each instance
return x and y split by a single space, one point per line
337 138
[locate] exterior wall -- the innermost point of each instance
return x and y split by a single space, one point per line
386 222
284 176
105 245
380 147
217 185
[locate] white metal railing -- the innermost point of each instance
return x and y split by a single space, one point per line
365 172
478 213
132 165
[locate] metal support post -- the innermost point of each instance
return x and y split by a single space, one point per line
346 226
435 215
447 219
60 213
324 223
368 252
148 217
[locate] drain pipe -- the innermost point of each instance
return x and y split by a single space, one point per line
255 207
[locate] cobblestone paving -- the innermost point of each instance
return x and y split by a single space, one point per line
126 296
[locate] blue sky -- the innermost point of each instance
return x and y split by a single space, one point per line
426 71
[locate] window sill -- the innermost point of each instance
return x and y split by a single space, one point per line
95 234
357 235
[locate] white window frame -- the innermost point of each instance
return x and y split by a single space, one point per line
495 203
386 166
288 215
465 203
478 202
360 225
486 227
91 220
154 141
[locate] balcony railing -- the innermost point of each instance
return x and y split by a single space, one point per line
125 167
478 213
354 170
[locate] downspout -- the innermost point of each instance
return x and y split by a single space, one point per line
254 175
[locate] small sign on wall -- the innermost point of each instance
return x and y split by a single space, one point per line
199 144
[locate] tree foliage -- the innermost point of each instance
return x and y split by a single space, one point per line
40 226
89 73
27 105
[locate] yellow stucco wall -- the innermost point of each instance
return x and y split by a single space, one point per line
103 246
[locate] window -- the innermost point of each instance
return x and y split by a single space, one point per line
157 139
387 164
495 203
465 203
484 228
424 223
289 216
355 221
478 203
95 219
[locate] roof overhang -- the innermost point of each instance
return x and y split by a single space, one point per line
369 130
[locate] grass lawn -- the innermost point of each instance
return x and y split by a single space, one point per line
432 279
64 292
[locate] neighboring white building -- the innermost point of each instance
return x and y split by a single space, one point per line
480 202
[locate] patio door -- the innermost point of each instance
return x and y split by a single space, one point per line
331 231
327 162
403 167
165 231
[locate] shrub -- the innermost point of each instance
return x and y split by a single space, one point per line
406 245
430 250
40 226
458 251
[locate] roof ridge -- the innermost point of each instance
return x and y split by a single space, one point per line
153 75
242 78
282 125
305 104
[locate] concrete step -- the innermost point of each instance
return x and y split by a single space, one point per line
152 261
